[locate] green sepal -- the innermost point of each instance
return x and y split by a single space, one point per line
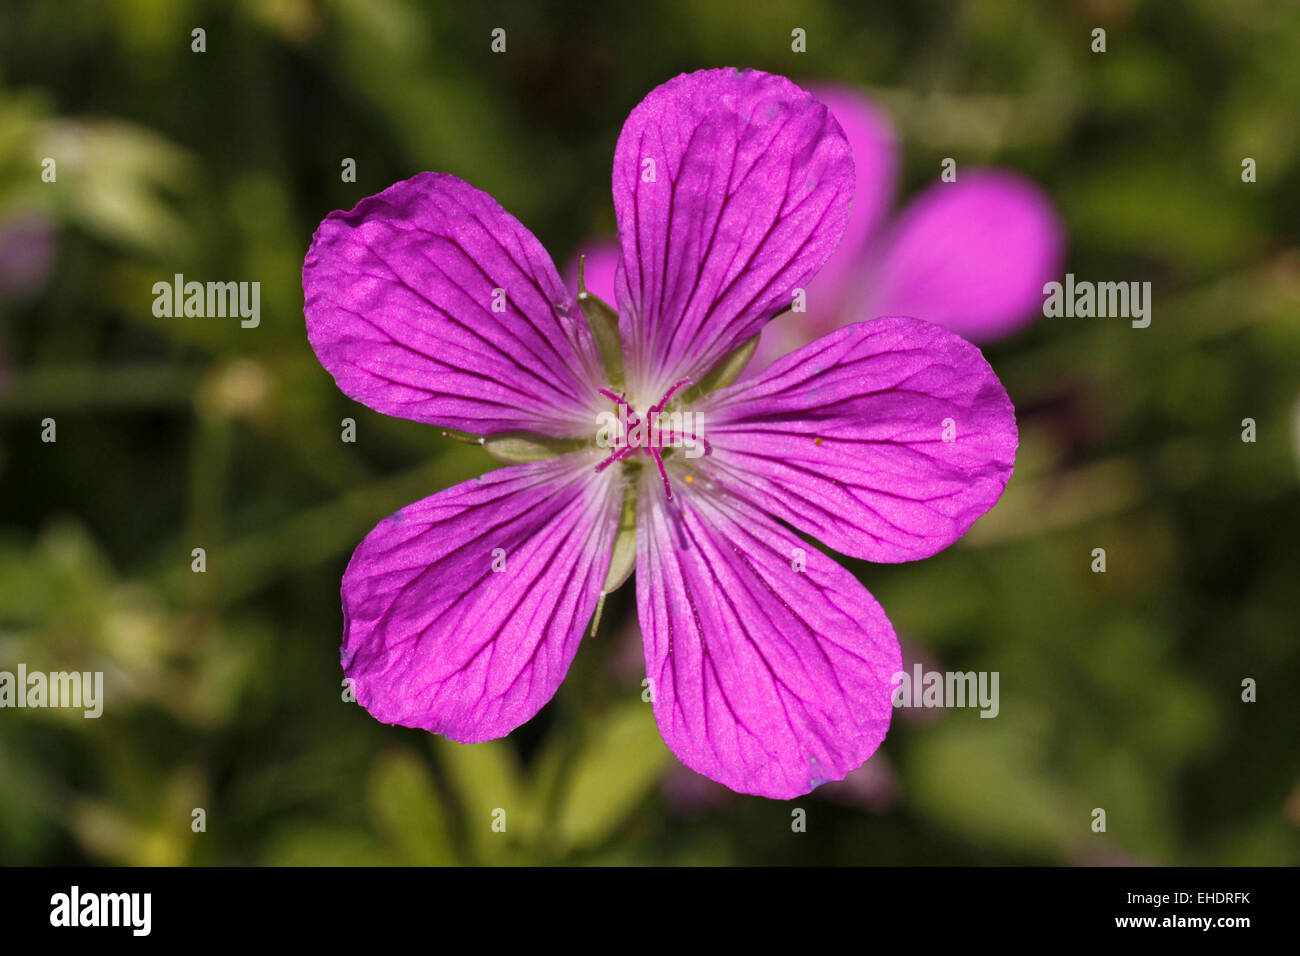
622 558
465 437
603 322
622 561
519 448
724 373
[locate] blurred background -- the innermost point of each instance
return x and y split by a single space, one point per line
1120 691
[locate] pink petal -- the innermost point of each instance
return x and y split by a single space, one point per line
434 637
971 255
875 162
831 297
844 439
602 257
768 679
752 180
790 331
402 310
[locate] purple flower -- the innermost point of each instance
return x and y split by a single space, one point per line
27 251
769 664
971 255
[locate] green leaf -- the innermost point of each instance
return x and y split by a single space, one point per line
488 783
1017 806
323 845
612 775
408 810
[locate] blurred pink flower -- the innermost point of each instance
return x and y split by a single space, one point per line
971 255
27 245
690 794
873 787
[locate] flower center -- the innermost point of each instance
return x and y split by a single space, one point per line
656 433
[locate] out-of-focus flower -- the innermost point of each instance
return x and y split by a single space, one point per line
690 794
27 248
971 255
873 787
770 664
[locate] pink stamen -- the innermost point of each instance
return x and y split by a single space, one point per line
617 455
670 437
655 410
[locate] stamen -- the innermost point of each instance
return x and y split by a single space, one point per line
617 455
663 472
658 438
656 409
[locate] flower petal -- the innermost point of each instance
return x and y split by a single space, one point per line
768 679
429 301
835 292
602 257
885 439
731 189
875 164
463 611
971 255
